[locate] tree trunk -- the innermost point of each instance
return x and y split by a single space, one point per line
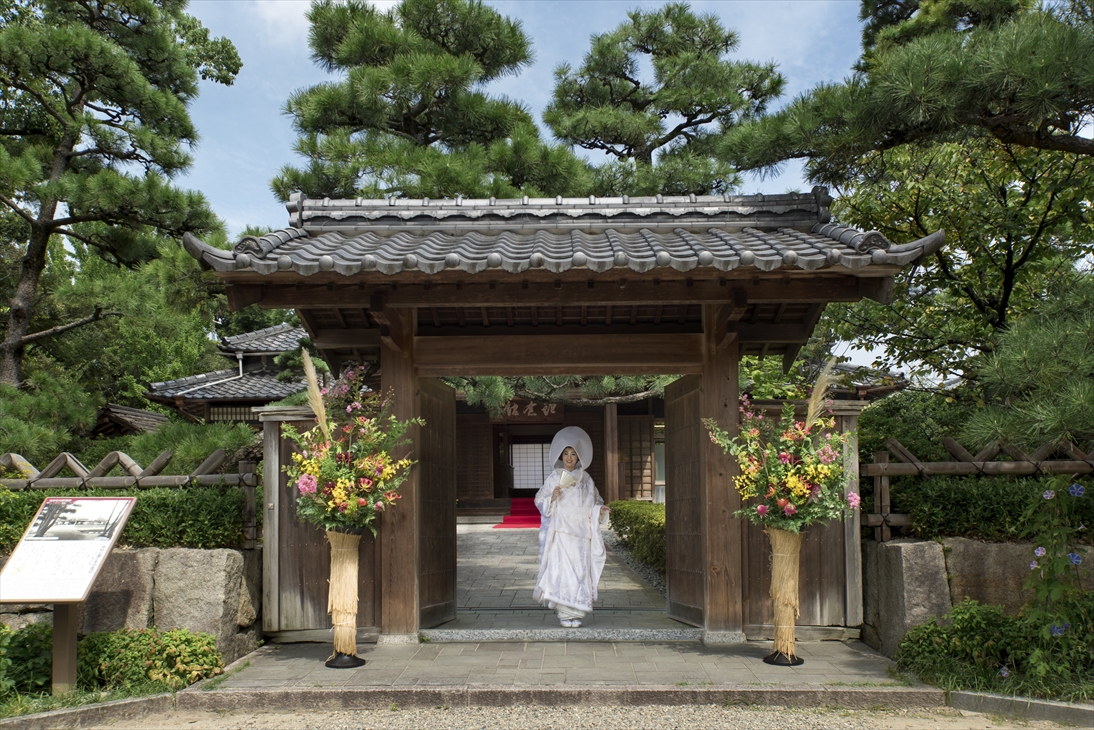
22 304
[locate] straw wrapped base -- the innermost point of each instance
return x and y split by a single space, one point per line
785 550
342 601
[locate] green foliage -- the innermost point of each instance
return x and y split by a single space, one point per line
980 648
494 392
660 132
919 420
168 660
189 444
991 509
194 517
6 682
934 69
1039 381
763 379
641 527
95 126
40 420
1015 221
408 116
30 650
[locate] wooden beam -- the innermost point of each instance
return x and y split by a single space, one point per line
558 355
611 452
392 323
817 289
241 296
346 339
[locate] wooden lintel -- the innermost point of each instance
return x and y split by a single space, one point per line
819 289
762 332
558 355
346 339
390 321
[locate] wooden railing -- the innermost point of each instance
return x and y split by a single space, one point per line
137 478
1019 464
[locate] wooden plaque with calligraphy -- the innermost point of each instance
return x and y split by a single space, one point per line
519 410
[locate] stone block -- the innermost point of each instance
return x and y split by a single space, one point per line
869 594
911 588
250 592
199 590
16 621
991 573
121 597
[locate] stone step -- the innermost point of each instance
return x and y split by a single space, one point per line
583 634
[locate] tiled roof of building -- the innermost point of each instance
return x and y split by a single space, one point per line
720 233
227 385
279 338
113 419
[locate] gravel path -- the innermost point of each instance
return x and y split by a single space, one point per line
647 573
582 718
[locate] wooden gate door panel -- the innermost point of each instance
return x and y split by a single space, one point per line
304 562
437 477
683 508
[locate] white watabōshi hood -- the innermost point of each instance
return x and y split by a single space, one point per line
576 438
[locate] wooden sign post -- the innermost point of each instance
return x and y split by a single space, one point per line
57 561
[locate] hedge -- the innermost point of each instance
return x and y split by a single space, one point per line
193 517
981 508
641 527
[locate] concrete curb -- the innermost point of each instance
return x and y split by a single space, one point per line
1023 708
294 699
91 715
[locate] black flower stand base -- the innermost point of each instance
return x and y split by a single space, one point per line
782 660
348 661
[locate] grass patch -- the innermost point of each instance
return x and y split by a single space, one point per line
211 684
16 704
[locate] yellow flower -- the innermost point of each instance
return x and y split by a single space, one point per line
797 487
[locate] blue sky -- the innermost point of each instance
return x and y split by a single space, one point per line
245 138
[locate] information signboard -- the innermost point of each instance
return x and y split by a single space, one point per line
64 549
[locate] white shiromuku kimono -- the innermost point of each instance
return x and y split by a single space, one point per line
571 548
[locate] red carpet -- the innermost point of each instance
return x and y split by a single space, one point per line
522 513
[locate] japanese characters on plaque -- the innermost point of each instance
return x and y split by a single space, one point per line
520 410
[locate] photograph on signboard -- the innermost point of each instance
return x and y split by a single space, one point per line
78 519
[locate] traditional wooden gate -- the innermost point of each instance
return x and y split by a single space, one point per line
684 553
436 453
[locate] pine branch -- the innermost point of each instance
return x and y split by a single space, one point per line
52 331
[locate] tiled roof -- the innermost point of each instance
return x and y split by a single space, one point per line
227 385
279 338
113 418
720 233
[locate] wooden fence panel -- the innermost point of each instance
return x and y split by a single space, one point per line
684 550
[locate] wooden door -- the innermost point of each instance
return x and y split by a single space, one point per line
636 457
437 465
684 558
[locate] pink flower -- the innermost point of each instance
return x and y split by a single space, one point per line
306 484
853 500
761 510
324 391
789 510
379 506
785 457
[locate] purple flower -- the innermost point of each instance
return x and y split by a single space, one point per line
1076 490
1049 494
790 510
1075 558
1033 565
1004 672
1059 630
306 484
1039 552
761 510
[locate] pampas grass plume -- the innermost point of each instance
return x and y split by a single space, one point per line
315 398
820 389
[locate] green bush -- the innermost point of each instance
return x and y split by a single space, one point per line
641 527
30 650
916 419
981 648
194 517
981 508
129 659
6 682
189 444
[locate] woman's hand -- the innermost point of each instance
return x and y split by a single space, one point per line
555 494
604 509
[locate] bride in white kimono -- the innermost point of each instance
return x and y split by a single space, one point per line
571 548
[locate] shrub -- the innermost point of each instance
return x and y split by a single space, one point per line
980 648
981 508
30 650
641 527
916 419
189 443
129 659
195 517
6 683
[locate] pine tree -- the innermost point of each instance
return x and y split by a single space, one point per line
660 133
409 115
93 124
931 70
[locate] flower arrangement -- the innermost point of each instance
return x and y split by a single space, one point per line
791 470
344 470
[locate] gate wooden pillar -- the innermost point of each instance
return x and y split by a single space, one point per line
723 534
399 528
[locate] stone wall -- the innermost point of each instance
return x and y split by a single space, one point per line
906 582
212 591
